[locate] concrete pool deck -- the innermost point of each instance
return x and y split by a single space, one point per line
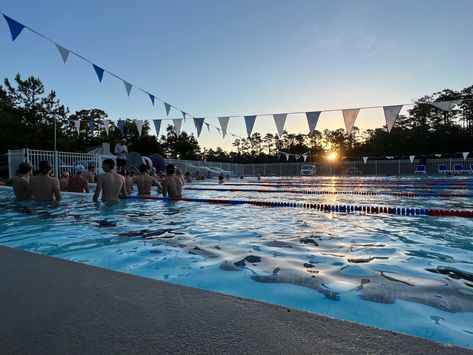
50 305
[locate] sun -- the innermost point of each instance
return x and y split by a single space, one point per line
332 156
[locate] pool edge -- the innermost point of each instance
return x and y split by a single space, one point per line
51 305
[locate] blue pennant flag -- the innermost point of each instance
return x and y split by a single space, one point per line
121 127
184 115
99 72
91 125
157 126
312 118
151 98
198 122
167 107
15 27
250 122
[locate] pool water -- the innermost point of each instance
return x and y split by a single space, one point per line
411 274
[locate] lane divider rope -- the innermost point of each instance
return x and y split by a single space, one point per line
323 207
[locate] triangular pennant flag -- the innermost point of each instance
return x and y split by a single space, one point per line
411 158
121 127
389 157
127 87
106 125
139 126
349 116
64 52
304 156
167 107
250 122
465 155
177 126
224 124
157 126
365 159
208 126
99 71
77 124
184 115
219 130
438 155
312 118
151 97
444 105
15 27
198 122
390 114
280 120
91 125
287 156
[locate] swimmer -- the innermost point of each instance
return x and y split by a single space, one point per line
128 180
78 183
89 175
188 177
144 181
172 185
258 177
112 184
64 181
221 178
179 175
21 182
44 187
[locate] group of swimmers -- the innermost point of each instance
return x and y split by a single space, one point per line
112 186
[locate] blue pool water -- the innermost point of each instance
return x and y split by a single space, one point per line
404 273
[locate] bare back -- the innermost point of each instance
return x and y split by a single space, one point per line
111 185
172 186
20 186
144 183
45 188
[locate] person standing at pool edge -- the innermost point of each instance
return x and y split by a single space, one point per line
44 187
172 185
121 151
112 184
20 183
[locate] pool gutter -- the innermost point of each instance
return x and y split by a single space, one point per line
50 305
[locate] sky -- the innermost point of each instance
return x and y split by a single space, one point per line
215 58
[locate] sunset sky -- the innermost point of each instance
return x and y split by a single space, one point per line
218 58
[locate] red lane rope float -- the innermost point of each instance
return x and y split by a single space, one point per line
312 192
323 207
420 187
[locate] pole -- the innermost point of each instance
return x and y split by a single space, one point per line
56 168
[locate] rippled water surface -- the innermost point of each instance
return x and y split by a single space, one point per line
404 273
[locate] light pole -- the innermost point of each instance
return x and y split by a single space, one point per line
56 168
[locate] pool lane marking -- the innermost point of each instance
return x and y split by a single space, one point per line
424 187
323 207
312 192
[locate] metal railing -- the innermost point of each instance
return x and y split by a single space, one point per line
66 161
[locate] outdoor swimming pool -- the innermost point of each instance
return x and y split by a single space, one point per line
412 274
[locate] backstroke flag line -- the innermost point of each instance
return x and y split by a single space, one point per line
250 122
177 126
349 116
198 122
64 52
312 119
224 124
390 114
280 120
157 127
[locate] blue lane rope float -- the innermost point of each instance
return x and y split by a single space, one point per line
404 211
323 192
380 186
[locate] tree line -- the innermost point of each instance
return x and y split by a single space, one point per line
28 114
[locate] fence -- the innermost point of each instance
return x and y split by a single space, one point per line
66 161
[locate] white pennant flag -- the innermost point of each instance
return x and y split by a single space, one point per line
64 52
106 125
139 126
127 87
349 116
177 126
411 158
444 105
304 156
280 120
390 114
224 124
438 155
77 123
365 159
287 156
389 157
465 155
